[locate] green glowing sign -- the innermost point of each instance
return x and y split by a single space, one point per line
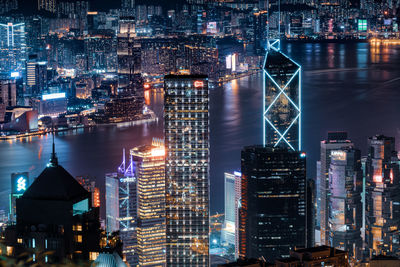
362 25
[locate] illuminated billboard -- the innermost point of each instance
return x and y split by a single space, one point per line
338 155
362 25
53 96
19 183
229 62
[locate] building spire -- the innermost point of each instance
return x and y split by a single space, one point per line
54 159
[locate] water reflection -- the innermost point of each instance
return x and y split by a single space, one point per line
349 87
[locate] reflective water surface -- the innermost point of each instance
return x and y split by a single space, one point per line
352 87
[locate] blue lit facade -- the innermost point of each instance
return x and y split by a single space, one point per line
12 47
281 99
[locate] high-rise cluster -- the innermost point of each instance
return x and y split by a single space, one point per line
357 198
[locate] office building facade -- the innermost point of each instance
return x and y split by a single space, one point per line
12 47
232 194
345 206
112 202
281 100
128 218
382 197
36 75
151 233
273 204
186 105
335 141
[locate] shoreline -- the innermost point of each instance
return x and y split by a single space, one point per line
153 118
324 41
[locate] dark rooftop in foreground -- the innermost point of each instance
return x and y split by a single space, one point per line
55 183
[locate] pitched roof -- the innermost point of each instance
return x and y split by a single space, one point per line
55 183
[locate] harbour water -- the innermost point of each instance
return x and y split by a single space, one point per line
351 87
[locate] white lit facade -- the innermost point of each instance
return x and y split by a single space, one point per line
12 47
186 105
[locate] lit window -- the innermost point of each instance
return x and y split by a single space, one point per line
93 255
10 250
19 240
78 238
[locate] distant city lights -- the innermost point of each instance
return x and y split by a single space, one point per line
53 96
15 74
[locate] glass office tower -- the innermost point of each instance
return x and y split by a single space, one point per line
112 202
186 104
272 217
150 173
232 196
345 207
282 100
12 47
335 141
382 197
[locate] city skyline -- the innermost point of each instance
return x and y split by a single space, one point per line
259 131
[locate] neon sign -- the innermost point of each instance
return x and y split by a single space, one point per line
21 184
198 84
53 96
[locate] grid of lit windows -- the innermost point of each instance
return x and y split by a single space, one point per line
187 167
150 173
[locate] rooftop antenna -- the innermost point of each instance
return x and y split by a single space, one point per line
279 20
53 160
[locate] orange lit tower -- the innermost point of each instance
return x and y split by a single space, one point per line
150 175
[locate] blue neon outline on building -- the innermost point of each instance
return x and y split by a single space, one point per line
283 138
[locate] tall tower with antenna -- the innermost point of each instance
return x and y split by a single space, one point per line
281 95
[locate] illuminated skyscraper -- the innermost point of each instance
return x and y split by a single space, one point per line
272 219
128 51
186 116
128 211
112 202
232 195
12 47
282 99
382 197
128 7
345 207
150 173
47 5
335 141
